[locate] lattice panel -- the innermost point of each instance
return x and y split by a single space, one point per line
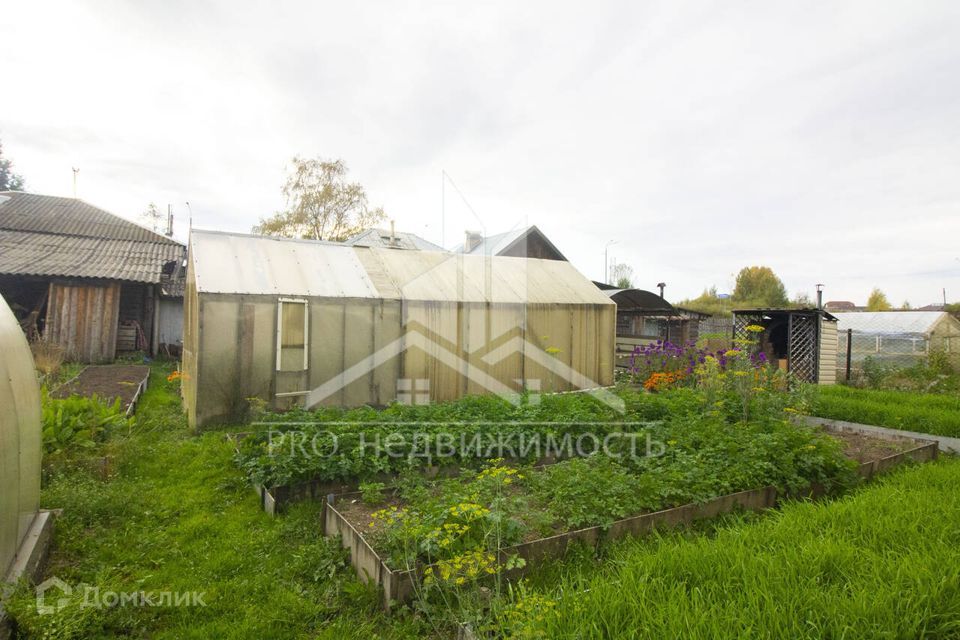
740 323
803 347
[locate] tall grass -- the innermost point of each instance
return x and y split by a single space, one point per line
882 563
938 414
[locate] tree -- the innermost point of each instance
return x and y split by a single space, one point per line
759 286
321 204
708 302
803 301
621 274
152 217
878 301
9 181
906 306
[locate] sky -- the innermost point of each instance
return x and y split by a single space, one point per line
688 140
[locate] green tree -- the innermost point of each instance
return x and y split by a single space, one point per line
622 275
708 302
759 286
9 181
906 305
321 204
878 301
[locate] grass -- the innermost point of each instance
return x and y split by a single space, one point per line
937 414
179 516
881 563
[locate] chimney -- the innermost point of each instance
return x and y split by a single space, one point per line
472 240
662 286
169 220
393 234
820 297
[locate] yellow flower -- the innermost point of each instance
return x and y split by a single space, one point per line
754 328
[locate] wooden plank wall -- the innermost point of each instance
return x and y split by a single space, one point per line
82 318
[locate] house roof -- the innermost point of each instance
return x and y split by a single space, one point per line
53 236
891 322
382 238
249 264
499 243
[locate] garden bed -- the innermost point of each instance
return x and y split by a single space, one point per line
362 523
109 382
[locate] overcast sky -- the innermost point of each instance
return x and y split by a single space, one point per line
819 138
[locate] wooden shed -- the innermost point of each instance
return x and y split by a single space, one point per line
298 322
801 341
87 280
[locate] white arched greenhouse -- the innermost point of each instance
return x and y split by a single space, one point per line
24 530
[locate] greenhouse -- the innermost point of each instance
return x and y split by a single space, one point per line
307 323
22 531
897 338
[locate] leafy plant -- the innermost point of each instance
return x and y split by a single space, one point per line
372 492
78 422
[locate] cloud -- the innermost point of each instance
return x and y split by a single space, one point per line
820 139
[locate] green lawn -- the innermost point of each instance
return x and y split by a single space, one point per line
179 516
881 563
937 414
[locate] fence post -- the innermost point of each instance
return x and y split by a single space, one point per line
849 350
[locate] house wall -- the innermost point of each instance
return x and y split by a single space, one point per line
19 438
358 350
827 373
82 318
170 322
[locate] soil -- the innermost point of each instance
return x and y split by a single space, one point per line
867 448
107 381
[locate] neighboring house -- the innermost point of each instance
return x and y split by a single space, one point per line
527 242
390 239
89 281
891 335
301 322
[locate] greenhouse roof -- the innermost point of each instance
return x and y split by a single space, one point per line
261 265
890 322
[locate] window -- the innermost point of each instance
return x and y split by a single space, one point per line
292 335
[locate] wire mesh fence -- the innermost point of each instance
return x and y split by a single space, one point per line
894 340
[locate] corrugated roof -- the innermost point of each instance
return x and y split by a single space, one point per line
890 322
68 216
235 263
46 254
52 236
382 238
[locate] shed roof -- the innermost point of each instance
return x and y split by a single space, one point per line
891 322
640 300
247 264
52 236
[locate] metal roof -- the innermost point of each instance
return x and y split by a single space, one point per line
640 300
382 238
246 264
496 244
780 310
51 236
891 322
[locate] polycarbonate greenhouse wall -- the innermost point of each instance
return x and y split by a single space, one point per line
310 323
19 438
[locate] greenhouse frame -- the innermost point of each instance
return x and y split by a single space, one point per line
24 530
897 338
311 323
